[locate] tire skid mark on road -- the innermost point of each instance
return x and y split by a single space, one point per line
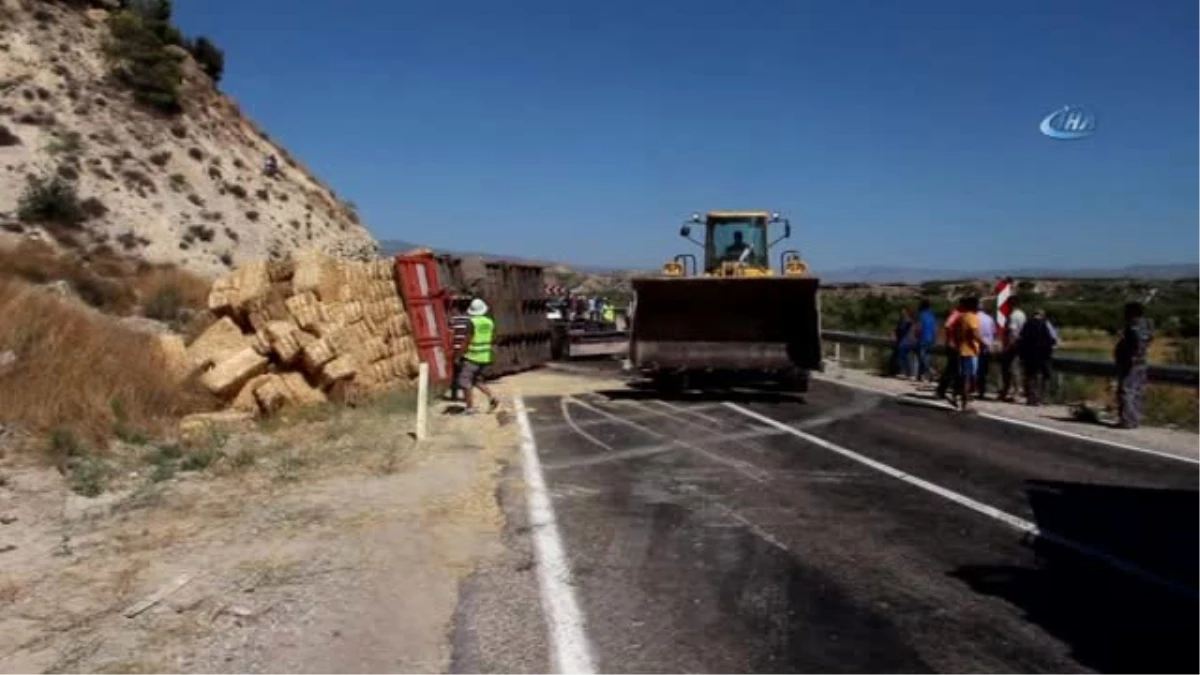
859 406
758 430
550 427
752 526
691 411
747 469
638 452
1020 524
566 415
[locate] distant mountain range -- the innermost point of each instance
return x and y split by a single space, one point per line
878 274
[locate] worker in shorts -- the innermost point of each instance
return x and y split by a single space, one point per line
477 355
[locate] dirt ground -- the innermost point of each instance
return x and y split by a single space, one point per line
326 542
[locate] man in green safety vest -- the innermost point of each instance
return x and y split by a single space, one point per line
477 354
609 314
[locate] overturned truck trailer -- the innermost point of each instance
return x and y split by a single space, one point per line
515 291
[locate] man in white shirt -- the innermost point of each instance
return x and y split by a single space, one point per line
1008 354
987 331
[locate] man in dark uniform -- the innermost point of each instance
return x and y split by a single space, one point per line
734 251
1036 348
460 326
1130 356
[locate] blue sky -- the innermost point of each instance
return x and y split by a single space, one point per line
899 133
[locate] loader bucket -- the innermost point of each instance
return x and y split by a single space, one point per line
729 324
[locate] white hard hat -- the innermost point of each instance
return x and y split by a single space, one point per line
478 308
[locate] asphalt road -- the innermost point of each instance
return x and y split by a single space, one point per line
705 537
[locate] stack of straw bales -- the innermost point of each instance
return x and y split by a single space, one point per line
302 331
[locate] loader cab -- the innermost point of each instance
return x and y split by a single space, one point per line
735 237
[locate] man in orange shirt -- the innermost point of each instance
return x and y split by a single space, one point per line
948 381
970 344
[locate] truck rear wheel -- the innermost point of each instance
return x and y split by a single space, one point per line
797 380
559 343
670 382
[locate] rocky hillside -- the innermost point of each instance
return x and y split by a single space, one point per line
90 157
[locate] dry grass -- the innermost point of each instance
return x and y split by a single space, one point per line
80 372
1165 405
9 592
165 292
1097 344
112 283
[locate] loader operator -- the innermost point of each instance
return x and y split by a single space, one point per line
476 353
739 249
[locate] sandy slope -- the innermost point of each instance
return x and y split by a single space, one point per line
188 189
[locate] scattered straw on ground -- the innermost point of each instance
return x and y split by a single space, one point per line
330 520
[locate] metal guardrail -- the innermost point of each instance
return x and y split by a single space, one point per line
1184 376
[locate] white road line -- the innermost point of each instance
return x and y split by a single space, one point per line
1017 422
564 620
1019 524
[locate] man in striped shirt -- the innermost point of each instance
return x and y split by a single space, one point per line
460 325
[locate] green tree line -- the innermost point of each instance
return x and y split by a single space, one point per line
1172 309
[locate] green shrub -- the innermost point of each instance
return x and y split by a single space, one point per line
351 211
122 429
209 56
166 304
64 445
200 459
163 471
50 201
101 293
67 143
89 476
142 58
7 137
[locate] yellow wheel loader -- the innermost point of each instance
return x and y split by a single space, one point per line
735 321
